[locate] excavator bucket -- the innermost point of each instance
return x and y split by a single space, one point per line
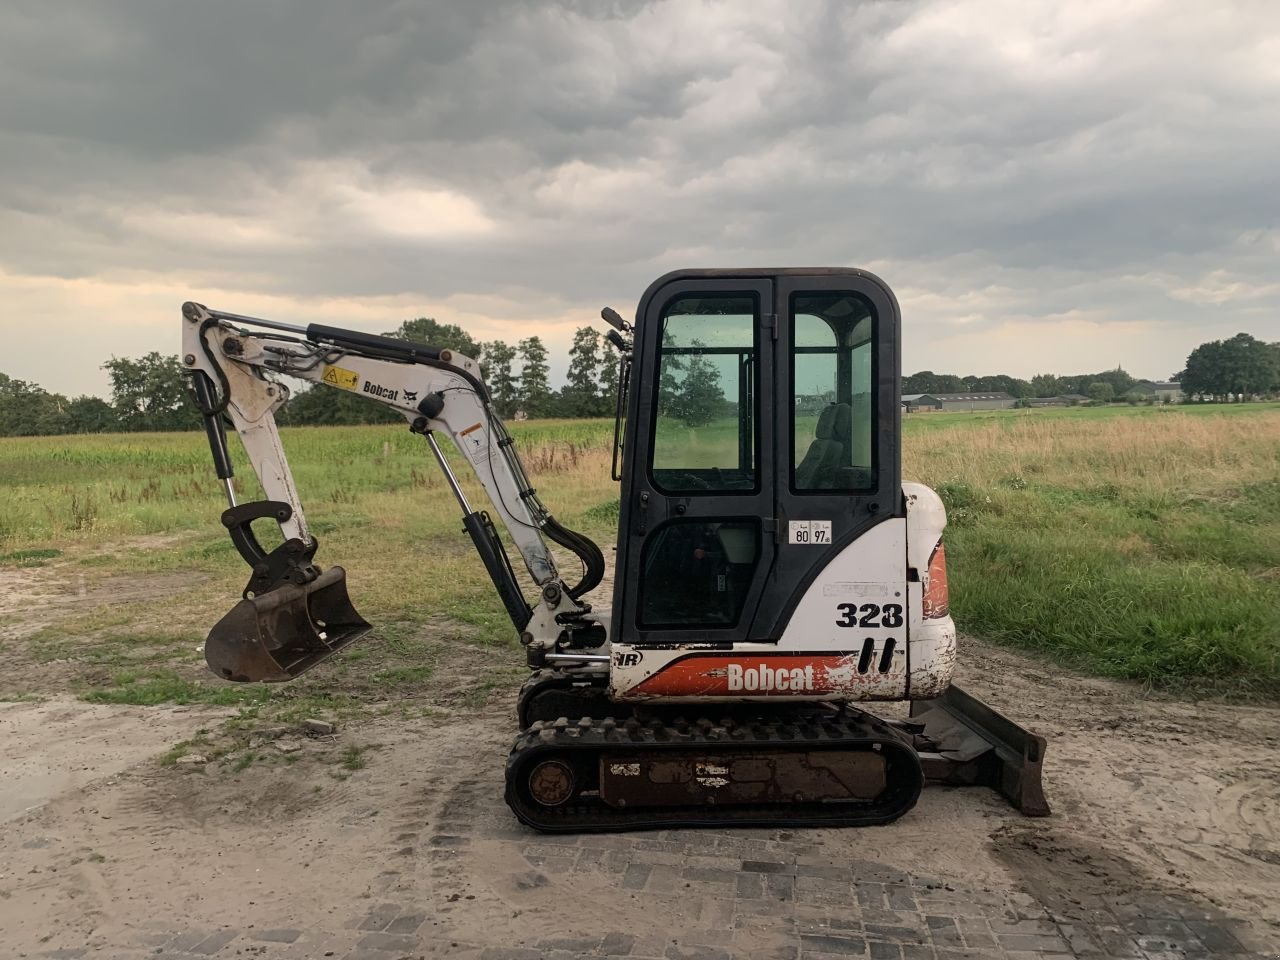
281 634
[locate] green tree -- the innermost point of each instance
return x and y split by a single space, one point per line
581 396
1206 373
436 334
496 359
151 393
90 415
27 409
1046 385
1101 392
320 405
1000 383
671 376
535 388
1241 366
1121 382
608 389
926 381
700 396
1251 366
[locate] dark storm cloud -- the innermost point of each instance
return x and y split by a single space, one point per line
1001 162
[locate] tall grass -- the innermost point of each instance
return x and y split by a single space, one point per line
100 488
1140 543
1143 548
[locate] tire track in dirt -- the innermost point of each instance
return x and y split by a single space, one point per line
1179 798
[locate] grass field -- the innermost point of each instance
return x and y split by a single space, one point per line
1135 542
1139 546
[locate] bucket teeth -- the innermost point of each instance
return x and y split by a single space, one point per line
281 634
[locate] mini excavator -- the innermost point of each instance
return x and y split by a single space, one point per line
774 574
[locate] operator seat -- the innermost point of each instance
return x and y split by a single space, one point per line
827 452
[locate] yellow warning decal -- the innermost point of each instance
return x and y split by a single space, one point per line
338 377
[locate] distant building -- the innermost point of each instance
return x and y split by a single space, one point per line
1162 391
920 401
982 400
1065 400
957 401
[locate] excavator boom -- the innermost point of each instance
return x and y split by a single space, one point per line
293 615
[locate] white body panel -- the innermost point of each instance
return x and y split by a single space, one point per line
932 655
844 641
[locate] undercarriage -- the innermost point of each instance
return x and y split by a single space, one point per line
585 763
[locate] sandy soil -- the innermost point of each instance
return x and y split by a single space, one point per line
1154 792
1166 797
49 750
34 597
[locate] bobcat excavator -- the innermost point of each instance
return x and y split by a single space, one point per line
773 573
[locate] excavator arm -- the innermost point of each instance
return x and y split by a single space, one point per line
293 615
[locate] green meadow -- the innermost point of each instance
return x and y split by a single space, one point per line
1135 542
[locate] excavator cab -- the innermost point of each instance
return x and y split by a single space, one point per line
763 430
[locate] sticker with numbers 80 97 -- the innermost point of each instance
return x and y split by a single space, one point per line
809 532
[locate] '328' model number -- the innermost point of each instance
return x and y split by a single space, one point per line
869 615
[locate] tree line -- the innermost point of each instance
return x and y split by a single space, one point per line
589 388
147 393
152 392
1242 367
1117 383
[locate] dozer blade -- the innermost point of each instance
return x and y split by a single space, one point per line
285 632
964 742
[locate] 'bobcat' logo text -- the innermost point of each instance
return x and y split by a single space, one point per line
765 677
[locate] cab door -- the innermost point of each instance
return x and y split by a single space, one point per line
696 537
837 469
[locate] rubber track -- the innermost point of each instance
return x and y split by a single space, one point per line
811 731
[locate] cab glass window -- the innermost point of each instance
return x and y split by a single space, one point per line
705 423
833 403
697 573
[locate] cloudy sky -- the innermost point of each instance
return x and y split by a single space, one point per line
1048 186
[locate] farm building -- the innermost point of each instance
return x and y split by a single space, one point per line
1066 400
983 400
957 401
1160 391
920 401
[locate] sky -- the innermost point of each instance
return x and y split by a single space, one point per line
1047 186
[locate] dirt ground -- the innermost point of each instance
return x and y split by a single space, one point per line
394 828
